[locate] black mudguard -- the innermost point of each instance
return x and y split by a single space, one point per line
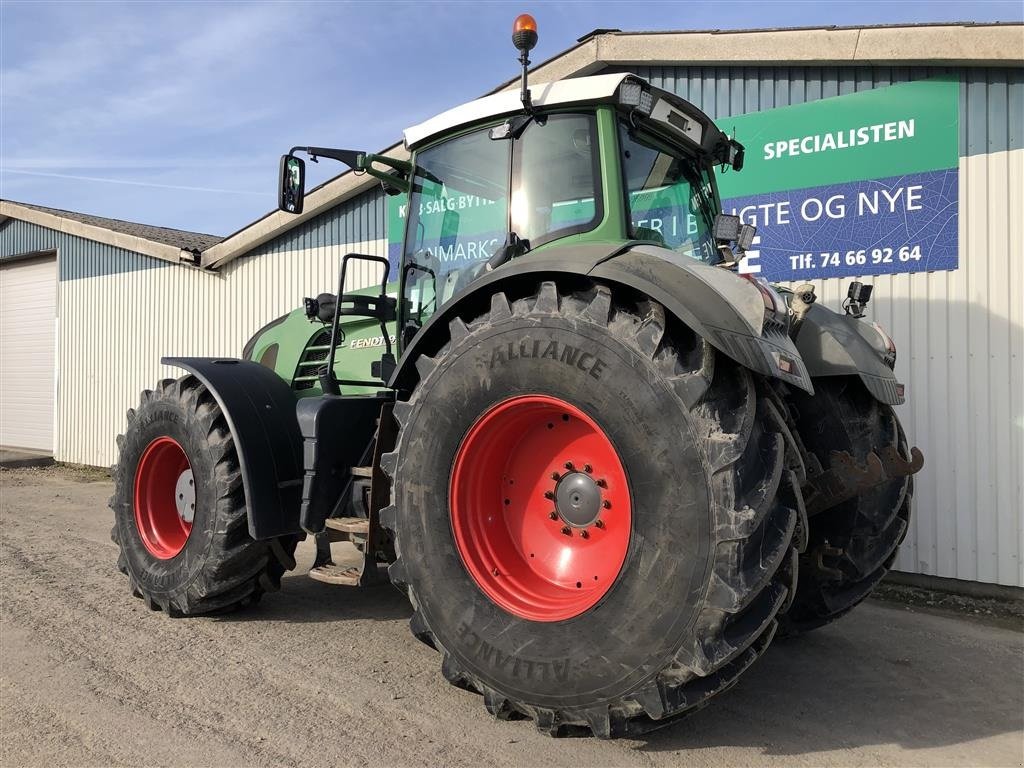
838 345
723 309
260 411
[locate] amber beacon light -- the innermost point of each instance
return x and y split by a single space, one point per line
524 37
524 32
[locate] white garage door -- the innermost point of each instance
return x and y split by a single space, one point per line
28 321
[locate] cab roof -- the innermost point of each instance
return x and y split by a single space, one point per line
577 90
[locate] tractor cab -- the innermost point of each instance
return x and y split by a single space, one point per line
604 159
596 159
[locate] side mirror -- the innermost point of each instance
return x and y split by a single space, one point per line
291 184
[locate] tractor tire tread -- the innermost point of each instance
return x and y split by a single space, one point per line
753 570
238 568
852 544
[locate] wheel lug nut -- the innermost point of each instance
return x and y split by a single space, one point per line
606 504
602 483
568 465
599 523
553 515
584 535
549 495
555 476
587 468
567 530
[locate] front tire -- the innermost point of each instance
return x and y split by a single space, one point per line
852 544
179 508
664 618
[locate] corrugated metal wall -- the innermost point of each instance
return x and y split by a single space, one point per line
358 224
120 312
960 334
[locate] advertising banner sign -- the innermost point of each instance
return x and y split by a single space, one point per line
862 184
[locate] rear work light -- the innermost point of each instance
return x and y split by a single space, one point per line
632 94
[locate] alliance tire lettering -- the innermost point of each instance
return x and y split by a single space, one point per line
572 356
159 416
521 668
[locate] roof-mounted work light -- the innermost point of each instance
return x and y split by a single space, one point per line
524 38
632 94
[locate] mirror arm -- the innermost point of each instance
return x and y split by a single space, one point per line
396 181
362 162
350 157
354 159
402 166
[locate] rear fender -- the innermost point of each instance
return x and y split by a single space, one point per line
838 345
259 408
720 307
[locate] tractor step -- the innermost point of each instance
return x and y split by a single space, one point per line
344 575
368 491
349 524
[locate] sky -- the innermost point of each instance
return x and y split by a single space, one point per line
175 114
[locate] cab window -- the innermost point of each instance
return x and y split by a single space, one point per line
670 198
556 188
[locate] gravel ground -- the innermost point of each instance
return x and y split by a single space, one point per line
320 675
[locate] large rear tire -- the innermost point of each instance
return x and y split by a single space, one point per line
179 508
853 544
535 422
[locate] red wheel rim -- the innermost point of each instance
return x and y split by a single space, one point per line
540 508
164 498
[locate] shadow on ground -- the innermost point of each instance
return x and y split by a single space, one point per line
883 675
303 600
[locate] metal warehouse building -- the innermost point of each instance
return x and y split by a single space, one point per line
89 305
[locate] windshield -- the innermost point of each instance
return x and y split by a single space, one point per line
458 217
670 198
460 213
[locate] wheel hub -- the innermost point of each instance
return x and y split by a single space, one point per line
540 508
164 498
578 499
185 496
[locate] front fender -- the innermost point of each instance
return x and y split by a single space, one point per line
719 306
837 345
259 408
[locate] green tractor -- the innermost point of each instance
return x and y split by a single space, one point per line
605 465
